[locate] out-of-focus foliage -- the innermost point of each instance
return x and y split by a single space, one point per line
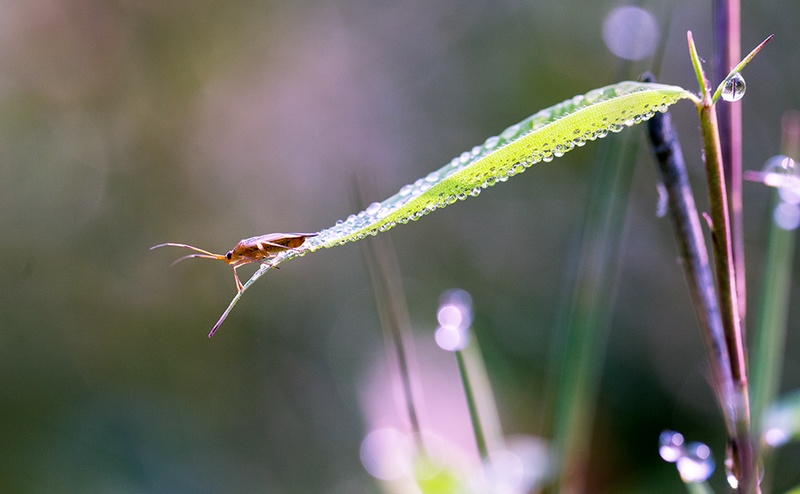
126 124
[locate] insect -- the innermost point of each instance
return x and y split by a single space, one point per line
253 249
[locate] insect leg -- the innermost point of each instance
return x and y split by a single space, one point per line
239 286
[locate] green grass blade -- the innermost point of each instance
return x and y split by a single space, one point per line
543 136
585 322
548 134
773 317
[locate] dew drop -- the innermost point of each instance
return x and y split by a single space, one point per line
670 446
491 142
697 463
782 172
510 132
776 436
780 165
733 88
731 477
454 316
373 208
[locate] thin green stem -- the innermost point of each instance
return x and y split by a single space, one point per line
702 83
387 285
472 405
721 232
585 324
740 445
773 315
699 488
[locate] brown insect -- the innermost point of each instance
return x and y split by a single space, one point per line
253 249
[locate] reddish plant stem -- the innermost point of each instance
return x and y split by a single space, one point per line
727 43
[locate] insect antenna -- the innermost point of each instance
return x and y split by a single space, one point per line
204 254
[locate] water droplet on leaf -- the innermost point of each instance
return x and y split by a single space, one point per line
733 88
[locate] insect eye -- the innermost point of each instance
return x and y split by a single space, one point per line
229 255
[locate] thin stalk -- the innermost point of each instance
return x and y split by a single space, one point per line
699 488
472 406
586 324
727 51
721 231
740 446
381 262
480 400
774 309
773 316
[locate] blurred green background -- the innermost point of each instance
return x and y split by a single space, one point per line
129 123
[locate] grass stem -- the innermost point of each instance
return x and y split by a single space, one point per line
472 405
773 316
740 445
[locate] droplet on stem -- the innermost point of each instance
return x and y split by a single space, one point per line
733 88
